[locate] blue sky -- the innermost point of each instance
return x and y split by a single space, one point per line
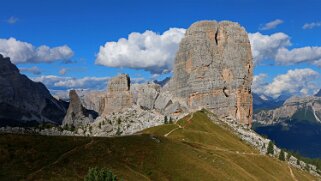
85 25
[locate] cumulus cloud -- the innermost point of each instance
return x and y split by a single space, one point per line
294 82
12 20
259 83
149 51
311 25
275 47
267 46
23 52
272 24
34 70
65 83
299 55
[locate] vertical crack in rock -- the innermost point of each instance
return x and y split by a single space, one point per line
216 41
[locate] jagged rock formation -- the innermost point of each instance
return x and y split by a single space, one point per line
213 69
24 102
77 115
118 95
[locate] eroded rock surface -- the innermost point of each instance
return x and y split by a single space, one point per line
213 69
77 115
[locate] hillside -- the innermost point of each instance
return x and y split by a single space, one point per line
192 149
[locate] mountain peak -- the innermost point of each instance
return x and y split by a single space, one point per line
318 94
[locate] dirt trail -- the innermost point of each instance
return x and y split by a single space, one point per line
292 175
29 177
179 126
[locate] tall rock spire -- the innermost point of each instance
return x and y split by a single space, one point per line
213 69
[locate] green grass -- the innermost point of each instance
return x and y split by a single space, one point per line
200 150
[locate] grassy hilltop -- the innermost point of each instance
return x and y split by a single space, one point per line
194 148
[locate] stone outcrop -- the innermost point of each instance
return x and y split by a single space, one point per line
24 102
213 69
118 95
77 115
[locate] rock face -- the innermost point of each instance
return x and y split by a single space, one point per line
213 69
77 115
24 102
144 95
118 95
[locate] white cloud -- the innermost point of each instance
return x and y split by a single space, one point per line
65 83
275 47
311 25
259 83
34 70
23 52
294 82
266 46
272 24
149 51
12 20
299 55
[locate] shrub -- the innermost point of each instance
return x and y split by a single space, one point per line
72 128
282 156
66 127
270 148
100 174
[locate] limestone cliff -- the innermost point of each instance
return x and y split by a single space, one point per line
213 69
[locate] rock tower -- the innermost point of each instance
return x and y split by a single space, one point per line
213 69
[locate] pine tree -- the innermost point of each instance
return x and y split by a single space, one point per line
165 120
282 156
270 148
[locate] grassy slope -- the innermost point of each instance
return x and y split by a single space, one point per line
195 150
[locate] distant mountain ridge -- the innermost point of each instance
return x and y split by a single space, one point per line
296 125
24 102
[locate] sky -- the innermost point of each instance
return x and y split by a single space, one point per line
80 44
